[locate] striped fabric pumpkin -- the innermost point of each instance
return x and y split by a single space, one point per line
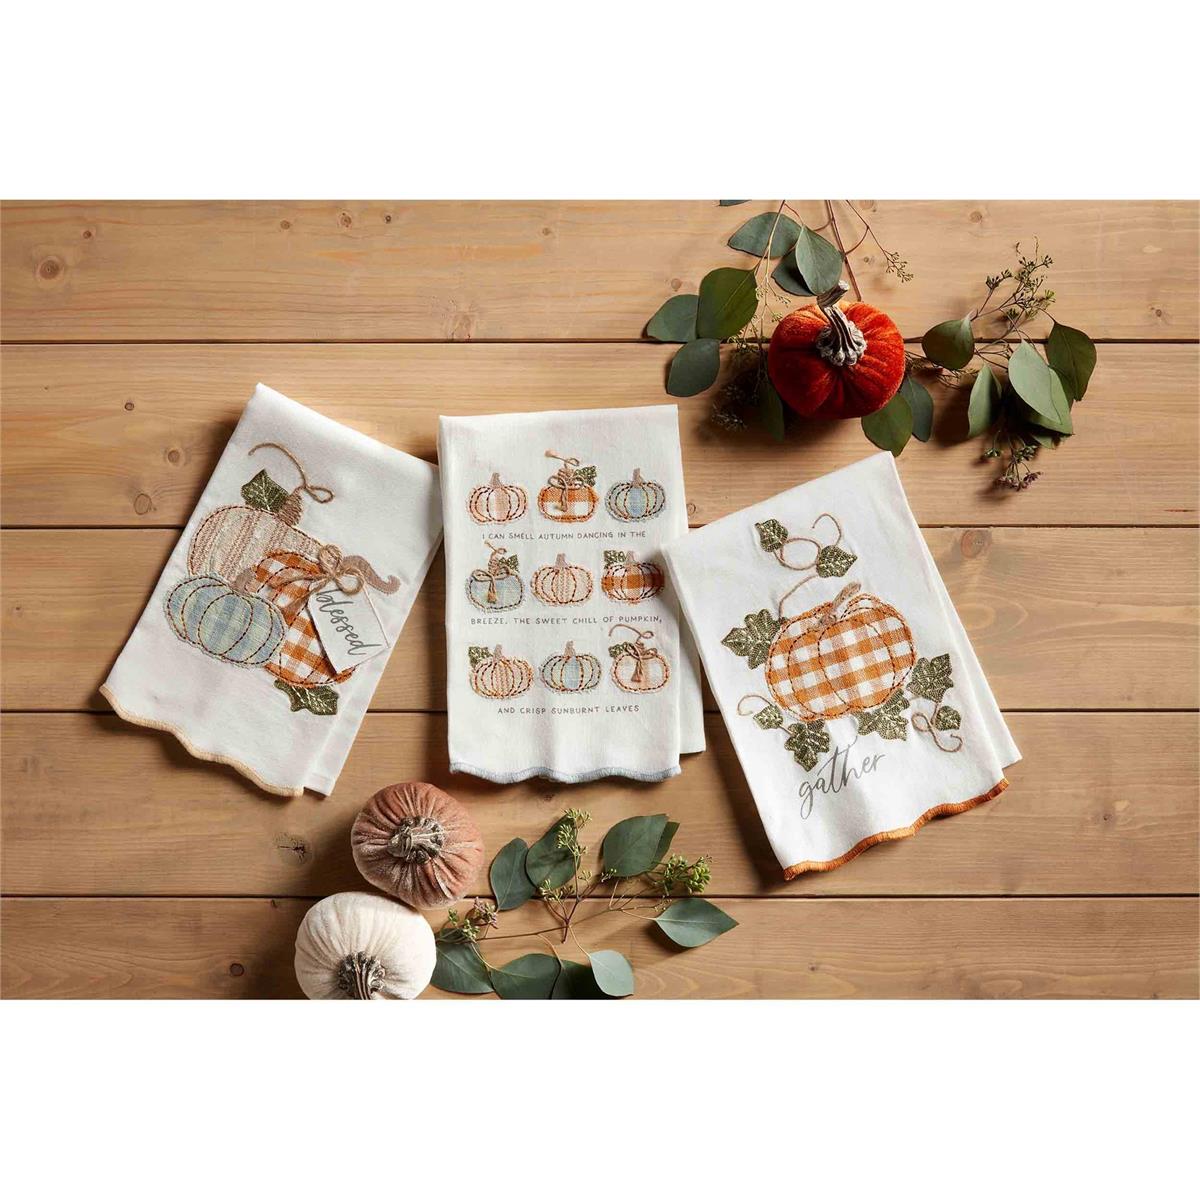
236 628
233 539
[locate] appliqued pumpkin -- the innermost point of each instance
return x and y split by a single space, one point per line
496 677
842 657
629 581
496 503
497 586
562 582
569 494
233 539
224 622
636 499
636 666
830 360
571 671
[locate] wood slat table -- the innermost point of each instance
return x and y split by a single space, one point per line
133 335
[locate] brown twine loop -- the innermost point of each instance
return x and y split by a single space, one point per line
564 478
334 568
641 652
924 724
495 570
322 495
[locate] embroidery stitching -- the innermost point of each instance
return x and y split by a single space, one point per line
635 499
562 582
571 671
569 494
497 586
628 581
495 677
496 503
637 667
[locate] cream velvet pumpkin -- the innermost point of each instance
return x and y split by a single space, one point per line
357 946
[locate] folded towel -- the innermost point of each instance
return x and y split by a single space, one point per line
267 633
562 633
852 695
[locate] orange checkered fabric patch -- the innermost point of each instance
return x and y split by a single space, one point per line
828 668
285 578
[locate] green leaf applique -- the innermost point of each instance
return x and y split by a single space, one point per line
887 720
808 742
614 558
771 534
585 476
320 701
510 562
930 678
621 648
477 654
833 560
753 643
770 717
264 493
946 718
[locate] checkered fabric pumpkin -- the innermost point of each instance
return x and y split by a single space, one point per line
831 661
300 659
629 581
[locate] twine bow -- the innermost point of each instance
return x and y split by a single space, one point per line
565 478
496 569
335 568
640 652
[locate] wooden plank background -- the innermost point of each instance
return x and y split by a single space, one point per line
133 334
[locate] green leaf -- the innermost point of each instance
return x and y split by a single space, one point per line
947 718
630 846
621 648
510 885
460 969
788 278
921 404
1073 355
664 843
771 535
675 321
984 406
950 344
1047 441
728 299
1032 380
834 562
530 977
576 982
752 236
585 475
693 922
731 203
931 678
1061 421
888 719
264 493
754 642
320 701
808 741
694 368
770 717
891 426
547 864
612 972
477 654
819 262
770 409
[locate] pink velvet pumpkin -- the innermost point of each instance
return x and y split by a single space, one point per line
417 843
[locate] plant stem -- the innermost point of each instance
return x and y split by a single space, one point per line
837 235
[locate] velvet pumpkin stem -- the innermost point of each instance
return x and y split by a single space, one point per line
359 975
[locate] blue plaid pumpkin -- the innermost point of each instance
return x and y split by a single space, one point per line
229 625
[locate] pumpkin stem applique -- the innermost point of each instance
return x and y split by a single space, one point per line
562 582
636 666
497 586
496 503
635 499
628 581
571 671
931 680
569 494
496 677
264 493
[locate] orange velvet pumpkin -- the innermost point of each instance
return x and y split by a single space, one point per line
830 360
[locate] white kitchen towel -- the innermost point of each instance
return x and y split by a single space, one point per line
854 700
564 657
272 622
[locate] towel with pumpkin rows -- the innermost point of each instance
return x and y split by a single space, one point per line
271 624
854 700
564 652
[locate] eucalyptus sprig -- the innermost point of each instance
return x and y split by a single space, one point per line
638 876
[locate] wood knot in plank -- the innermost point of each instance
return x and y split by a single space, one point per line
975 542
51 268
142 504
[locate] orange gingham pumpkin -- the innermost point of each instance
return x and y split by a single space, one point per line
300 659
629 581
839 658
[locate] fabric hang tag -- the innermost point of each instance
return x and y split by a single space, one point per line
347 625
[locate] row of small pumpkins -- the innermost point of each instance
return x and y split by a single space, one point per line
498 587
567 497
636 668
419 845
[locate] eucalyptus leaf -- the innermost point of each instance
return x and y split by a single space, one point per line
731 203
547 864
770 409
921 404
664 843
891 426
675 321
1030 377
984 405
950 344
510 883
694 368
694 921
612 972
631 846
530 977
752 236
728 299
1073 355
788 278
1061 422
818 261
576 982
460 969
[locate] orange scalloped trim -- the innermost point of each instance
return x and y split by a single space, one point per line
194 751
895 835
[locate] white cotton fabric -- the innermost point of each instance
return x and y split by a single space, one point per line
386 508
816 819
576 736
